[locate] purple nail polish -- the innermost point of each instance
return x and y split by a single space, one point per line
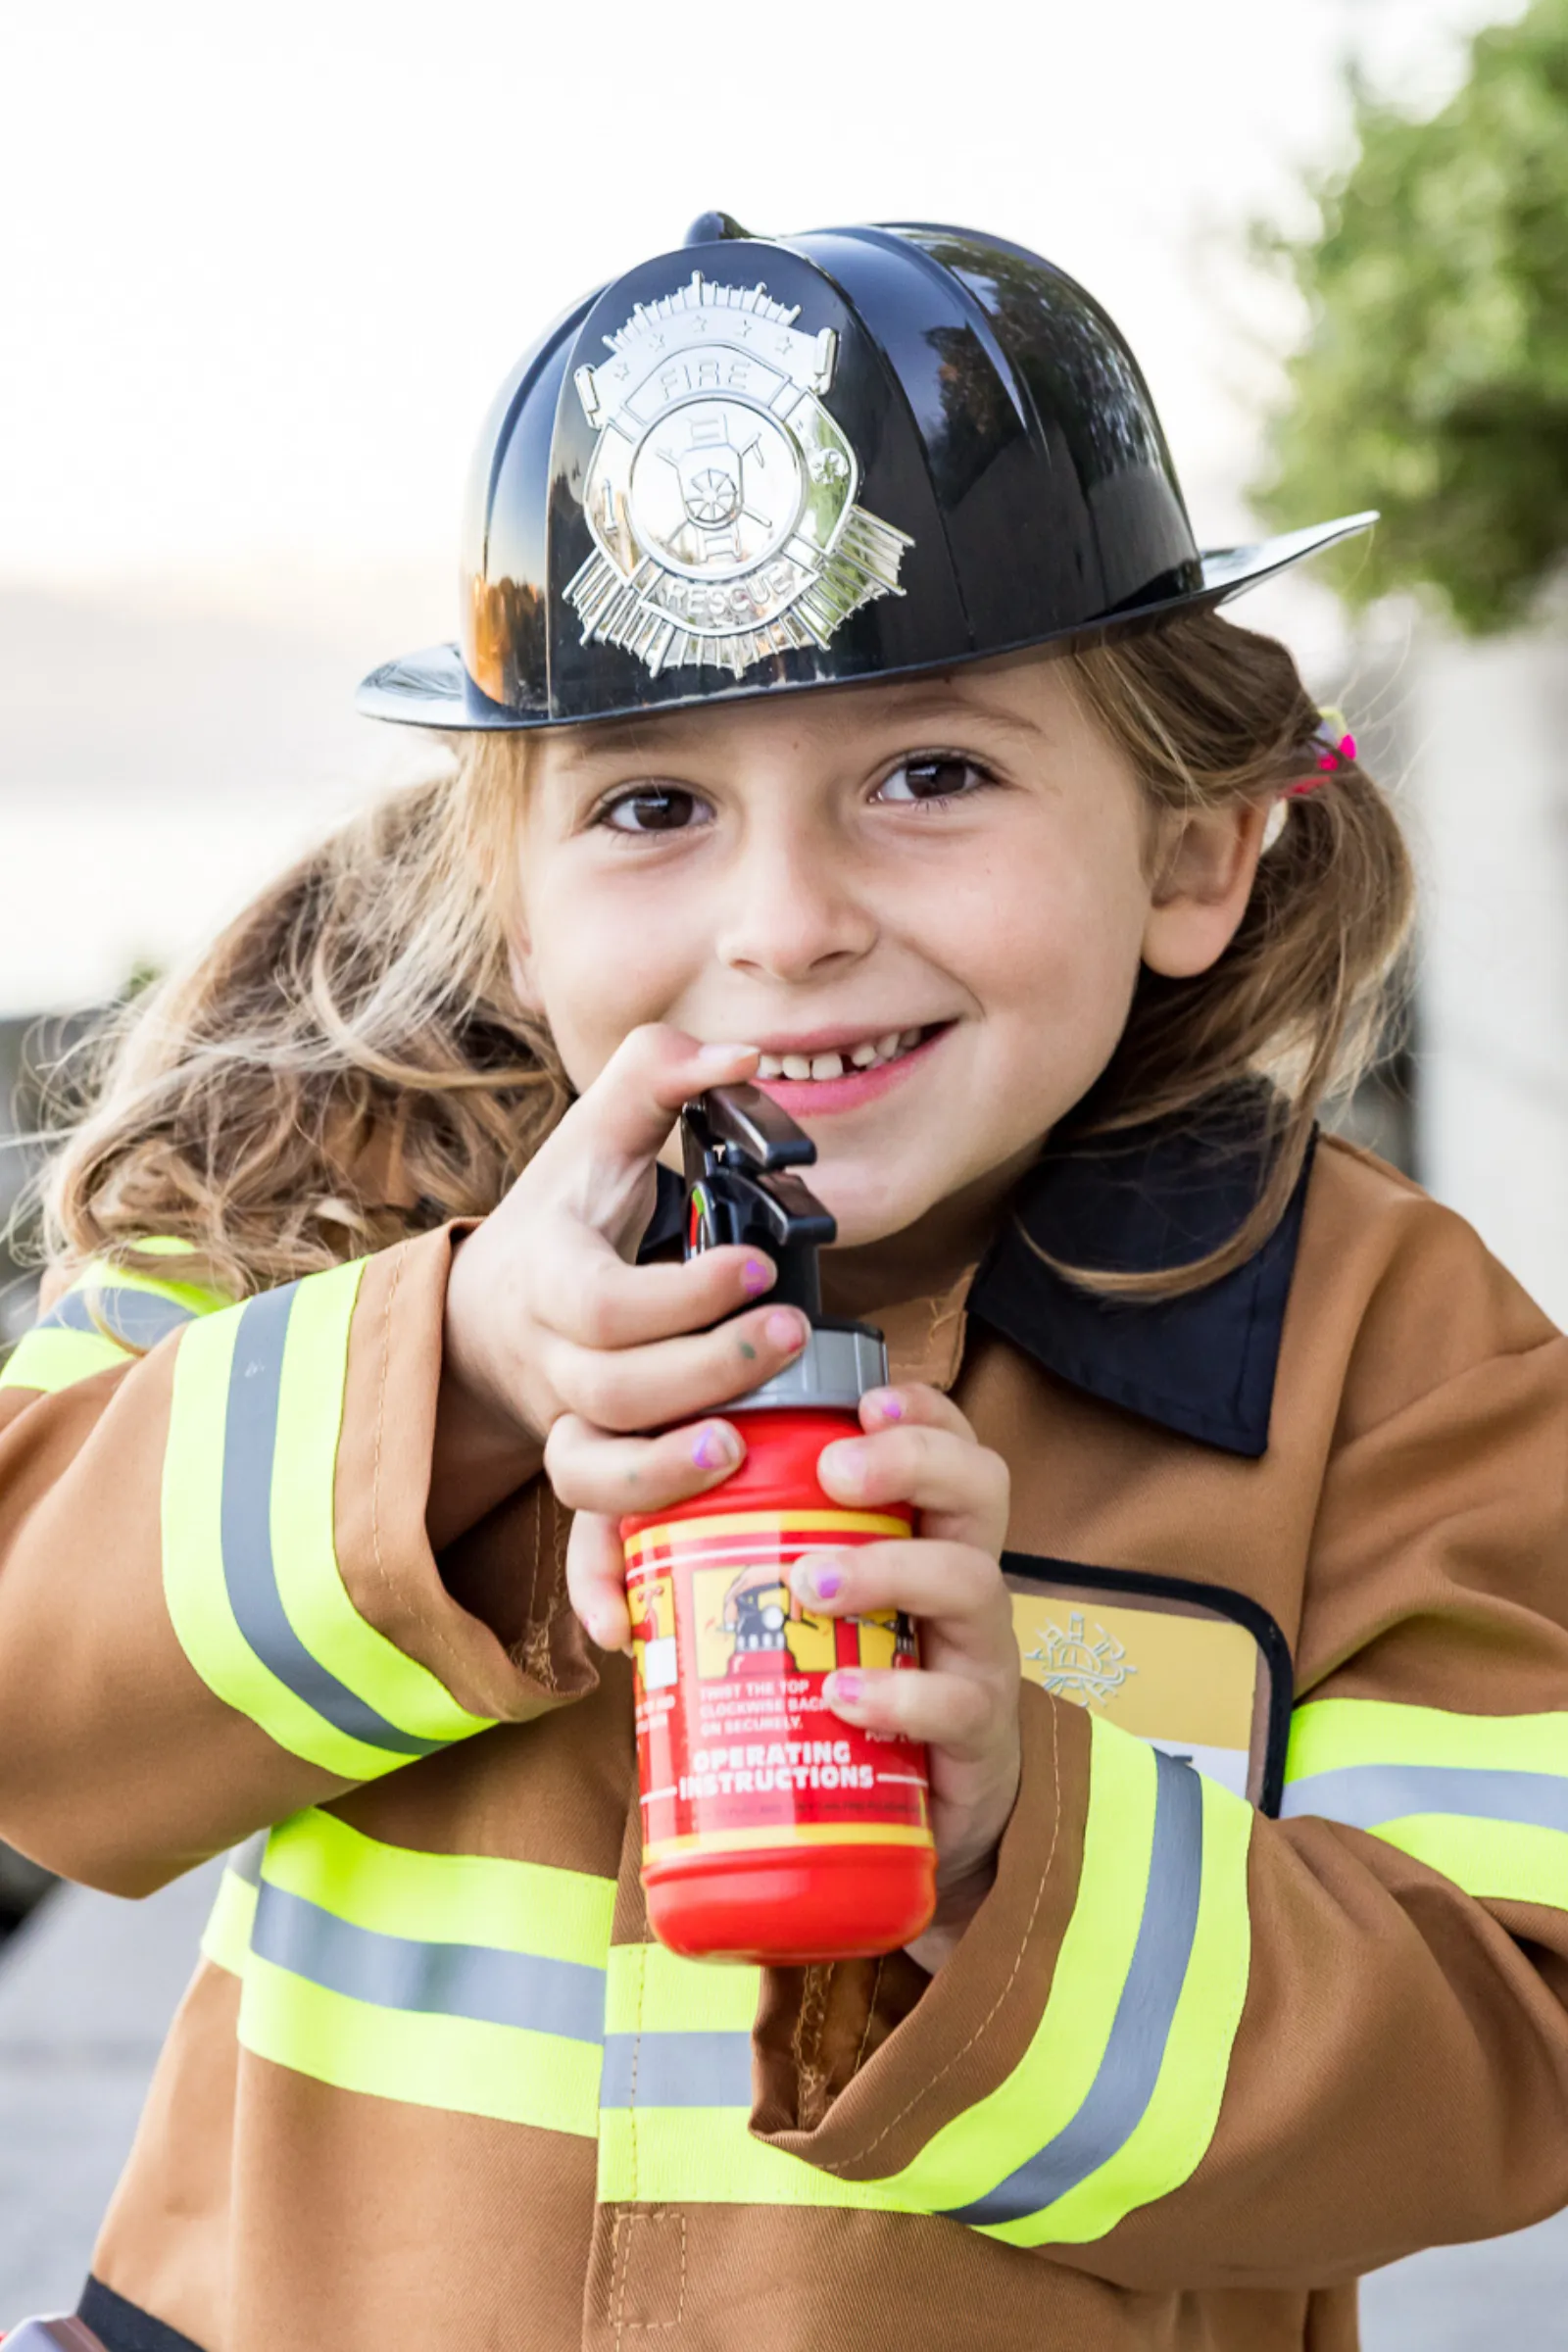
890 1404
712 1448
756 1277
825 1582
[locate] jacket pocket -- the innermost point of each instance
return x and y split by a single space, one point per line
1198 1670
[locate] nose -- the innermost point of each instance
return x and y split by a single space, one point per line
793 907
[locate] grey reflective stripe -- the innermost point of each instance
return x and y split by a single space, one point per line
141 1318
1365 1795
440 1980
676 2069
245 1861
1115 2101
250 1440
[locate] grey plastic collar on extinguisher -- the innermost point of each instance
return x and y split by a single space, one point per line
835 1368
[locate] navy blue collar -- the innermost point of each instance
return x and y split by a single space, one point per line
1201 1366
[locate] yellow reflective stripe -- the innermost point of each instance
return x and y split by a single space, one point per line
458 2064
656 1990
99 1275
227 1938
667 2046
250 1570
48 1361
194 1588
687 2154
1115 2100
310 1415
1329 1734
706 2156
459 1982
1167 2145
1054 2075
471 1899
52 1356
1482 1798
1495 1861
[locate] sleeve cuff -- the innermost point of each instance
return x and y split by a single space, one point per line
1068 2063
899 2055
296 1570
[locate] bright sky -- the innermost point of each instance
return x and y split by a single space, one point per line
263 267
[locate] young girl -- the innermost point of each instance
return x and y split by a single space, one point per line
1053 926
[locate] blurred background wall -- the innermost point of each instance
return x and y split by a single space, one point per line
260 276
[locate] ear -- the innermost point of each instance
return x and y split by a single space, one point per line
1203 883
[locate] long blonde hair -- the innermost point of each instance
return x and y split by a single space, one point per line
347 1065
351 1063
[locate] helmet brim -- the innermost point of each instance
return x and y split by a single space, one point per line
432 689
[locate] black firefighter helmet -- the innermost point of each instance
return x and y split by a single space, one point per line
758 464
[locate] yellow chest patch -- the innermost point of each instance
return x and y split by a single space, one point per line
1185 1679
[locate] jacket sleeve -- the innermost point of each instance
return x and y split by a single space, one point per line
218 1602
1184 2047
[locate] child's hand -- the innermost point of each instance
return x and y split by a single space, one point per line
964 1701
553 1334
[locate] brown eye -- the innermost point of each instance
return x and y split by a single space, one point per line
655 808
933 776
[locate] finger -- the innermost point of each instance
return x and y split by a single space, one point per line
956 1712
632 1104
956 1592
959 1489
915 1404
590 1470
596 1581
675 1380
590 1296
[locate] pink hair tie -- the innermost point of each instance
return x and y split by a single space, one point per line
1339 750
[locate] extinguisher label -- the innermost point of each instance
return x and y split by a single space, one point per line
736 1744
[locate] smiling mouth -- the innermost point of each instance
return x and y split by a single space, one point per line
847 1061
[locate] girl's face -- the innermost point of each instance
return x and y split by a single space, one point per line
925 901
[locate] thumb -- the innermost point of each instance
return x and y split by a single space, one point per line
616 1129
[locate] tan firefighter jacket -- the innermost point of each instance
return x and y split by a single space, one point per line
1270 1986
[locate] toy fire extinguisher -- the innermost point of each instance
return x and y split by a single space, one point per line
773 1830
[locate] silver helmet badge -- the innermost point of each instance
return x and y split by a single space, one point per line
721 492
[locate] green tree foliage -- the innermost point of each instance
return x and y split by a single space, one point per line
1434 382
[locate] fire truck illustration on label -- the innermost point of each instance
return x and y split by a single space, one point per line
751 1624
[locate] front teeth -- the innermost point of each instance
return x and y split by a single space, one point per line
864 1056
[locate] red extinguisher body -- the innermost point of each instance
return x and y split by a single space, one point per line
773 1830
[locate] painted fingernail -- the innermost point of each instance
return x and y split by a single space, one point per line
757 1276
723 1053
714 1448
786 1329
847 1461
845 1688
818 1580
886 1403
